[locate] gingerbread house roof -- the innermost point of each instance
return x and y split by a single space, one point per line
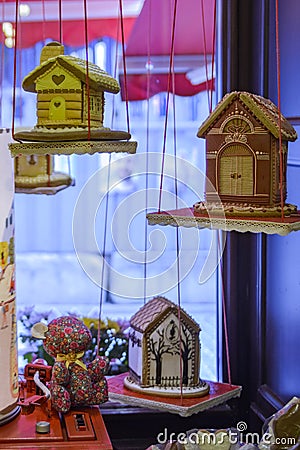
98 78
153 311
263 109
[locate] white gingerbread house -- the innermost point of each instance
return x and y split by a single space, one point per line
164 350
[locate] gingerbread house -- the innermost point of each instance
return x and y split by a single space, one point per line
243 162
70 109
35 173
70 91
164 354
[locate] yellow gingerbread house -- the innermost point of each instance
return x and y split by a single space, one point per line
35 174
70 91
70 108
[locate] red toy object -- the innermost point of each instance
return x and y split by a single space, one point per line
72 383
41 427
218 393
82 429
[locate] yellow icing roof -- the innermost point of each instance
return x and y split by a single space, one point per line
263 109
98 78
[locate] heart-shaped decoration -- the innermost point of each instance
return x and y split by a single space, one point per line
57 104
58 79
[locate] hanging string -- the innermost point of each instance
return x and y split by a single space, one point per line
213 55
3 62
177 237
19 76
279 109
115 71
44 21
224 310
124 64
60 20
225 322
87 68
205 52
147 149
48 158
107 203
210 106
209 77
15 69
103 252
167 104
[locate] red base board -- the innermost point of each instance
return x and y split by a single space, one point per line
218 393
21 432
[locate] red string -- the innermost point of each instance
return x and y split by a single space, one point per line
209 85
3 62
15 68
227 352
115 73
20 96
60 20
279 110
87 68
106 208
48 157
177 238
44 21
205 51
103 253
124 64
171 65
210 104
147 148
213 55
224 310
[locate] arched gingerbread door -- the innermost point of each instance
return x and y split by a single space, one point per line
236 171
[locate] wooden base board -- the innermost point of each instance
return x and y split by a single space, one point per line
64 433
71 147
186 217
45 190
72 135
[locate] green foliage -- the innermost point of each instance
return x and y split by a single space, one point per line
113 342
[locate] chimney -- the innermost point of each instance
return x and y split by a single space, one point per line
51 50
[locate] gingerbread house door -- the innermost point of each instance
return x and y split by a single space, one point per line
236 171
57 109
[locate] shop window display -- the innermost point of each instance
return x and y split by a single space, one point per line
47 253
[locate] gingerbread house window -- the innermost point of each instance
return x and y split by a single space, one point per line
237 124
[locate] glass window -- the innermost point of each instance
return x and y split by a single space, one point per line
53 277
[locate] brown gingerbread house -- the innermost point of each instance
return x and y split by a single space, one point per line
163 354
243 154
